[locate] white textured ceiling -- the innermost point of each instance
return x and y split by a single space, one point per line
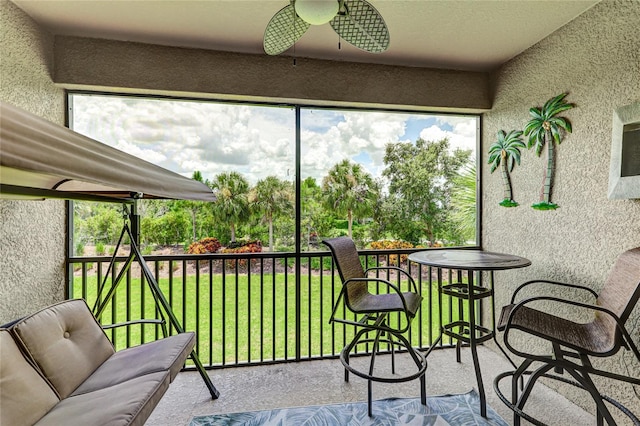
455 34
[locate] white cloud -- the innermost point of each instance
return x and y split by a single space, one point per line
434 133
256 141
463 135
355 133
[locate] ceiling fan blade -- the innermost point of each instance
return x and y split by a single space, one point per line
283 30
361 25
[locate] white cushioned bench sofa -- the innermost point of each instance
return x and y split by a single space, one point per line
57 367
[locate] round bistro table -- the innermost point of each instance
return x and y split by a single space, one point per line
468 330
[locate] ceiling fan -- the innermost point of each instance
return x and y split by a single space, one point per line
356 21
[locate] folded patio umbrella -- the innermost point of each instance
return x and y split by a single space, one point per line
40 159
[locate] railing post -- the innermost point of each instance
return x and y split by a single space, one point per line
298 236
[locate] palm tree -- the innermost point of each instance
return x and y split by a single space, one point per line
349 190
544 129
506 152
464 202
231 205
272 197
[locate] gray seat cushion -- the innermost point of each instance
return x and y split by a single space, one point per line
66 343
127 403
24 395
161 355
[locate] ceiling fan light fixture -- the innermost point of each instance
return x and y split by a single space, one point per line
317 12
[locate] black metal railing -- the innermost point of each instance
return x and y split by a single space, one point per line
250 309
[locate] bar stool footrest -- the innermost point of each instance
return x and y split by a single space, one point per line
397 379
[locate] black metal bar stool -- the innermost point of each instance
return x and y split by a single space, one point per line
374 310
573 343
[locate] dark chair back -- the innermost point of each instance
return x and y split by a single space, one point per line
619 294
345 256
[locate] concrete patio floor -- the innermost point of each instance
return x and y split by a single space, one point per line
322 382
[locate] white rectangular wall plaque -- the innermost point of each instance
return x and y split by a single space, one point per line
624 174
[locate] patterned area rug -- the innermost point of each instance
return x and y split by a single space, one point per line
454 410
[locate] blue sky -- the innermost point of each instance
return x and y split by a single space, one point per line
256 141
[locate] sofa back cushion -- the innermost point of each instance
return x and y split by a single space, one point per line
24 394
66 342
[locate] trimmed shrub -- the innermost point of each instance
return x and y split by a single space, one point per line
205 245
211 244
254 246
391 245
196 248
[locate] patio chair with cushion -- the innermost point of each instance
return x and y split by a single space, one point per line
374 310
573 342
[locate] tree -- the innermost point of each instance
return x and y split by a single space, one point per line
170 228
349 190
271 197
315 219
103 225
506 152
376 228
544 129
231 204
195 208
420 177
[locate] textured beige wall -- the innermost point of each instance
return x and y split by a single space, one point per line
32 233
596 58
136 66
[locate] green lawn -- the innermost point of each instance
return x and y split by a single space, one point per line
248 319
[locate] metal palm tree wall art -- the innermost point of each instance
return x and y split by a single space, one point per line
545 129
505 153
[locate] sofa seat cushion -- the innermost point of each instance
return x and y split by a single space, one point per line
127 403
66 342
25 396
168 354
